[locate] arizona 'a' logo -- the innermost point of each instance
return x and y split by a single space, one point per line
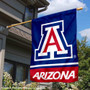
53 44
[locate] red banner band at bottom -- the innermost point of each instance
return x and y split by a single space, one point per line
59 74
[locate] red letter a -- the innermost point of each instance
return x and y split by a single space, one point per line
52 34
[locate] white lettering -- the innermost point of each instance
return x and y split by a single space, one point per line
36 75
55 74
64 75
42 74
50 74
72 74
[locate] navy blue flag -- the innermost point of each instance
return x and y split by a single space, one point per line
54 50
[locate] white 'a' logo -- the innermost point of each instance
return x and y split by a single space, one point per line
53 45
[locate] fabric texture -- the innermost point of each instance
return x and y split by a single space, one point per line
54 48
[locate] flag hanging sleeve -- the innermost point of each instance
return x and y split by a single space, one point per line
54 50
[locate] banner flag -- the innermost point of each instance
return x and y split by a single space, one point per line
54 51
